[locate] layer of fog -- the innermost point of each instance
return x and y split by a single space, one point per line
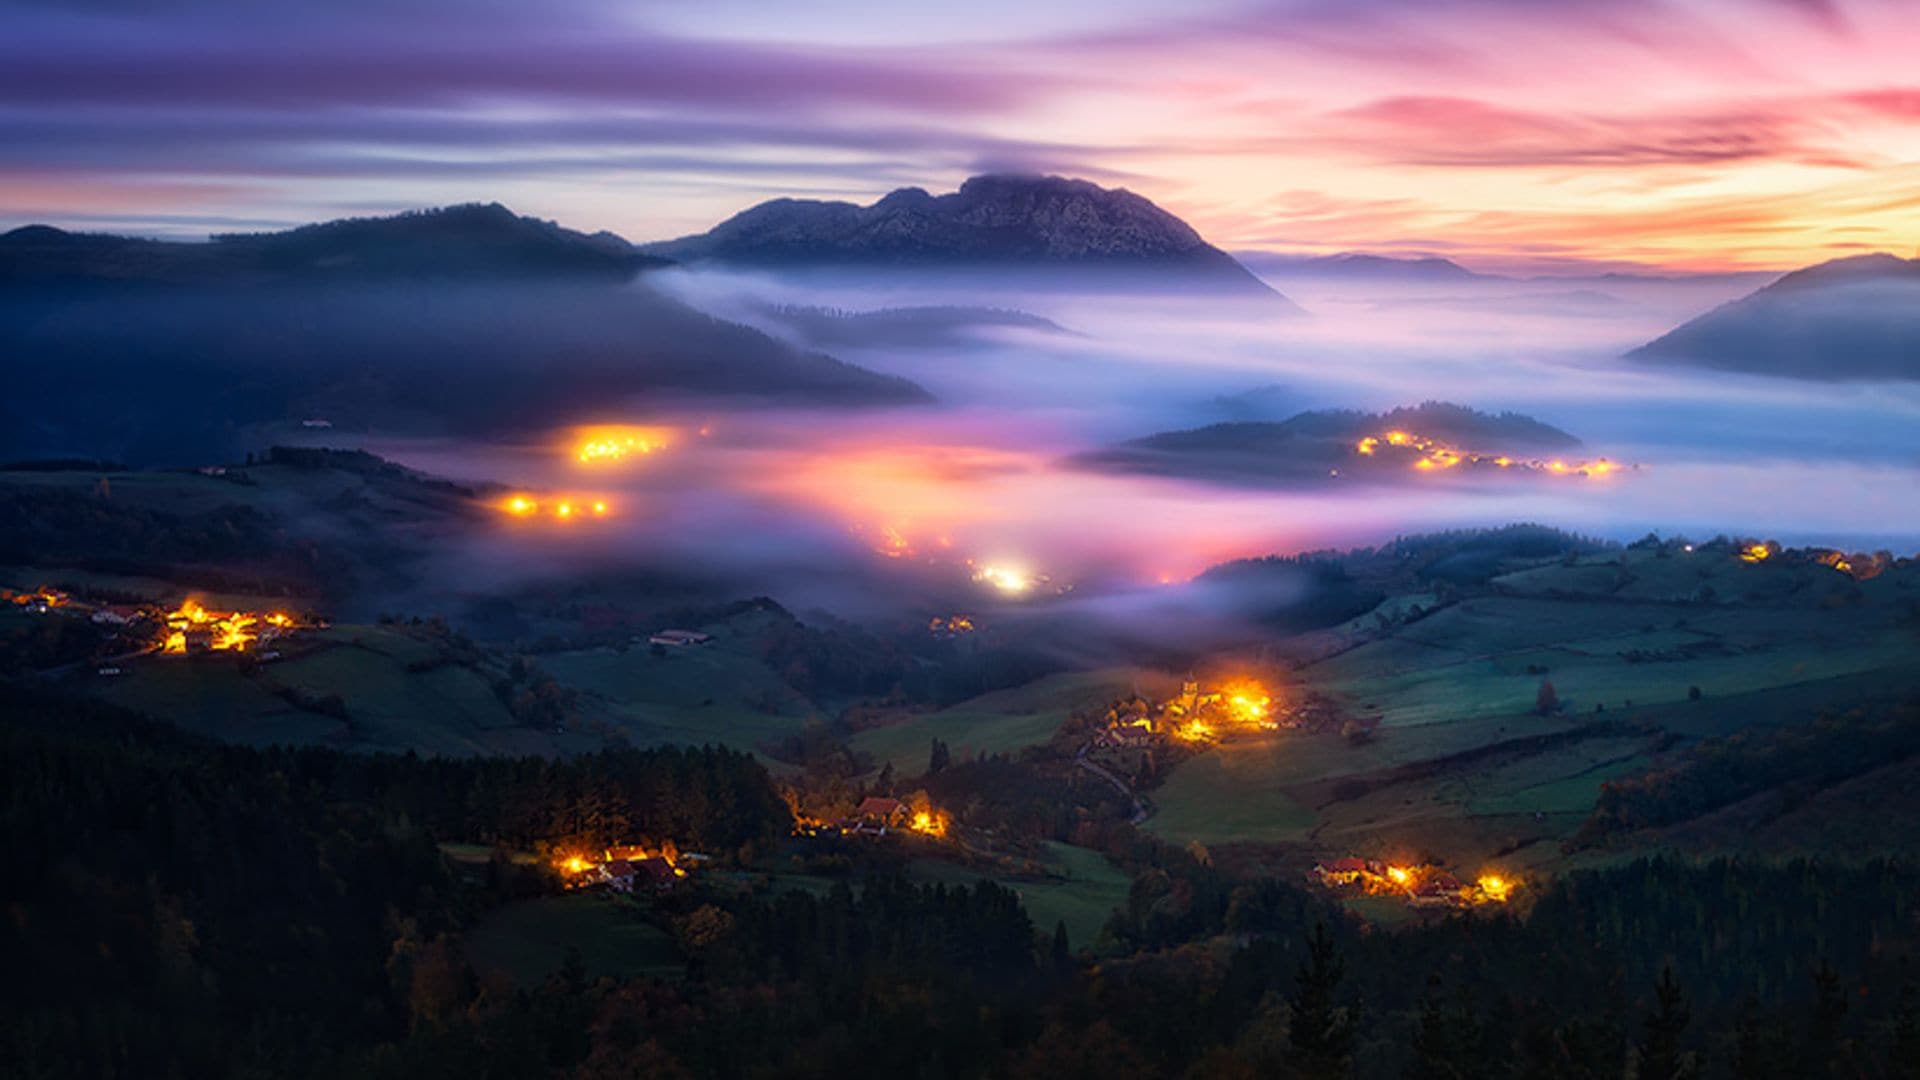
865 512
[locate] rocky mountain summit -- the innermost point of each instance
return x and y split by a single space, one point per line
996 221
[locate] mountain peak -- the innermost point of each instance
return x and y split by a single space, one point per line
998 220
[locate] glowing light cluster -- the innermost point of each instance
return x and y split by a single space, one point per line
1196 715
560 508
220 631
1007 579
1420 885
1431 455
583 869
929 823
606 445
1248 703
950 626
1754 553
1193 730
47 598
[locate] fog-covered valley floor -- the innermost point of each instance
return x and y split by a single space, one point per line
810 503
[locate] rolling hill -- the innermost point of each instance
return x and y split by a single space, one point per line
1324 446
1853 318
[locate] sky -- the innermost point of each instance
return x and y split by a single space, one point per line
1509 134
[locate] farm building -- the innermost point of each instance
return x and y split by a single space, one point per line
876 814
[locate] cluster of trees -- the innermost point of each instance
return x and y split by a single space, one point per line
1790 760
701 798
88 524
1013 796
178 907
882 978
183 908
31 643
228 546
1659 967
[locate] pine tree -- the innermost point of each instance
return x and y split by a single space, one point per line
1820 1053
1447 1045
938 757
1322 1030
1661 1057
1904 1060
1759 1052
1062 951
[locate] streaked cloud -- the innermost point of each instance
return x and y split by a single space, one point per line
1752 131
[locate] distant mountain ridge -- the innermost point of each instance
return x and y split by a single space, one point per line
996 220
1358 265
1851 318
467 321
476 240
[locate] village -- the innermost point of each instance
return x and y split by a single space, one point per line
1201 715
636 869
627 868
875 816
1428 455
188 629
1422 886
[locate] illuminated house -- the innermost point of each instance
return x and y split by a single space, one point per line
1438 890
1341 871
877 815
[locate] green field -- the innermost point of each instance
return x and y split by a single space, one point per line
714 693
1005 720
529 939
1457 772
1081 889
1074 885
448 709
